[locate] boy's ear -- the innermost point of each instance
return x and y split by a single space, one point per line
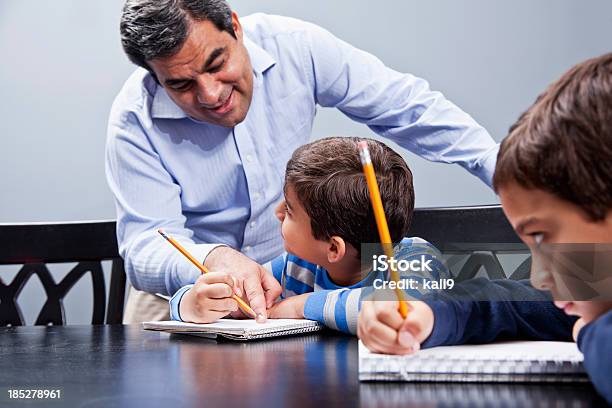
336 249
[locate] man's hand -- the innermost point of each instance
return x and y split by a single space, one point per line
383 330
259 286
290 308
210 298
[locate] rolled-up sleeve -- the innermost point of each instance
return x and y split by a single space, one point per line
146 198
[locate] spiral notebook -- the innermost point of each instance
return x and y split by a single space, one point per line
517 361
238 329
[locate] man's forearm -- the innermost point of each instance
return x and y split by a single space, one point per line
396 105
154 266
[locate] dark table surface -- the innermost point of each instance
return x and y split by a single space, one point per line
124 366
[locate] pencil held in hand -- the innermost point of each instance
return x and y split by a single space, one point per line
245 307
381 220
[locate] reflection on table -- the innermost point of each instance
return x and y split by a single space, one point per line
124 366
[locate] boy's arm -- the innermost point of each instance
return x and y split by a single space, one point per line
175 303
595 343
498 313
337 309
494 313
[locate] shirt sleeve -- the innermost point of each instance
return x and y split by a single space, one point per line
147 198
175 303
458 320
595 343
277 267
397 106
337 309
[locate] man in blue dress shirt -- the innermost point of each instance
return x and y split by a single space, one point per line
199 135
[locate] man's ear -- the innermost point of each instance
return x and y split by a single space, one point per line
336 249
236 26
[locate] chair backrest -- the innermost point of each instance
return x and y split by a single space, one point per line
35 245
471 238
474 239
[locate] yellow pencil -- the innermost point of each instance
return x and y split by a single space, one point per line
381 220
246 308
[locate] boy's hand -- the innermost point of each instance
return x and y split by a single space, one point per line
290 308
580 323
258 285
383 330
210 298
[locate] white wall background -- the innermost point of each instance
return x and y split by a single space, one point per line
61 65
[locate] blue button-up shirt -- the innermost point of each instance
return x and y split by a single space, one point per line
208 185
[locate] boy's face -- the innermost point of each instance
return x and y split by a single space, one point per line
296 230
542 218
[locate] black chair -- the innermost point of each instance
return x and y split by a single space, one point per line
473 239
35 245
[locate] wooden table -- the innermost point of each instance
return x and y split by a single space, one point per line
124 366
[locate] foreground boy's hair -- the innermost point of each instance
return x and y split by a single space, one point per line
328 180
563 143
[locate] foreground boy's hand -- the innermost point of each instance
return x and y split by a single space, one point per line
290 308
580 323
210 298
383 330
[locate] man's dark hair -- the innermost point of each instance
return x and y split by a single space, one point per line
563 143
158 28
327 177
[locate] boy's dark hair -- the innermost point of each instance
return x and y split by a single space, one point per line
327 177
563 143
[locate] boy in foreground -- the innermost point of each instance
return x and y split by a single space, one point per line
554 179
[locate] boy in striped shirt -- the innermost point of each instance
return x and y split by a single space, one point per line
325 217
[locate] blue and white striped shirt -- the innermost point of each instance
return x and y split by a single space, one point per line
337 307
207 185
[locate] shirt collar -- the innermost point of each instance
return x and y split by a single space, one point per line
163 106
261 60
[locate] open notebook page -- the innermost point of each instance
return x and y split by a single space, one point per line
504 361
241 329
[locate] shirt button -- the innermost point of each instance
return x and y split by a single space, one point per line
252 224
249 158
256 196
247 248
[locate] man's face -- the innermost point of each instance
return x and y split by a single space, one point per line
210 78
296 230
542 219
